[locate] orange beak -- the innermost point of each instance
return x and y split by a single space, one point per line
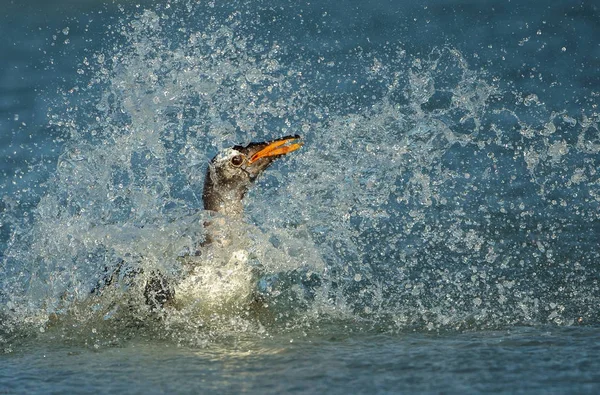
276 148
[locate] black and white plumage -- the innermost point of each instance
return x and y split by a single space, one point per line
220 274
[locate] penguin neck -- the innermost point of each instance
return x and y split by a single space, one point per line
227 201
224 199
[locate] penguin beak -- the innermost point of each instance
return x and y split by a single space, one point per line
278 147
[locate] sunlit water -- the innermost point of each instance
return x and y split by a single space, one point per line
445 202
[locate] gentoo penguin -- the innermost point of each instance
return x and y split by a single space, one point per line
219 276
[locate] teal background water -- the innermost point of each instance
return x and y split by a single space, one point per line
425 363
448 183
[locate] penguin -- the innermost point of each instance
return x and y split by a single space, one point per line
219 275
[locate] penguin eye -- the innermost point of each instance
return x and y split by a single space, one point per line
237 160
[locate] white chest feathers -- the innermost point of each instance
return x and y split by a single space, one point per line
215 282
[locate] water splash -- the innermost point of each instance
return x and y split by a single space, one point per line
439 198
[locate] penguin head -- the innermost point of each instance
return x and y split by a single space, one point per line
232 171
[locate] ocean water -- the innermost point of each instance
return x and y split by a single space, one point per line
445 200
